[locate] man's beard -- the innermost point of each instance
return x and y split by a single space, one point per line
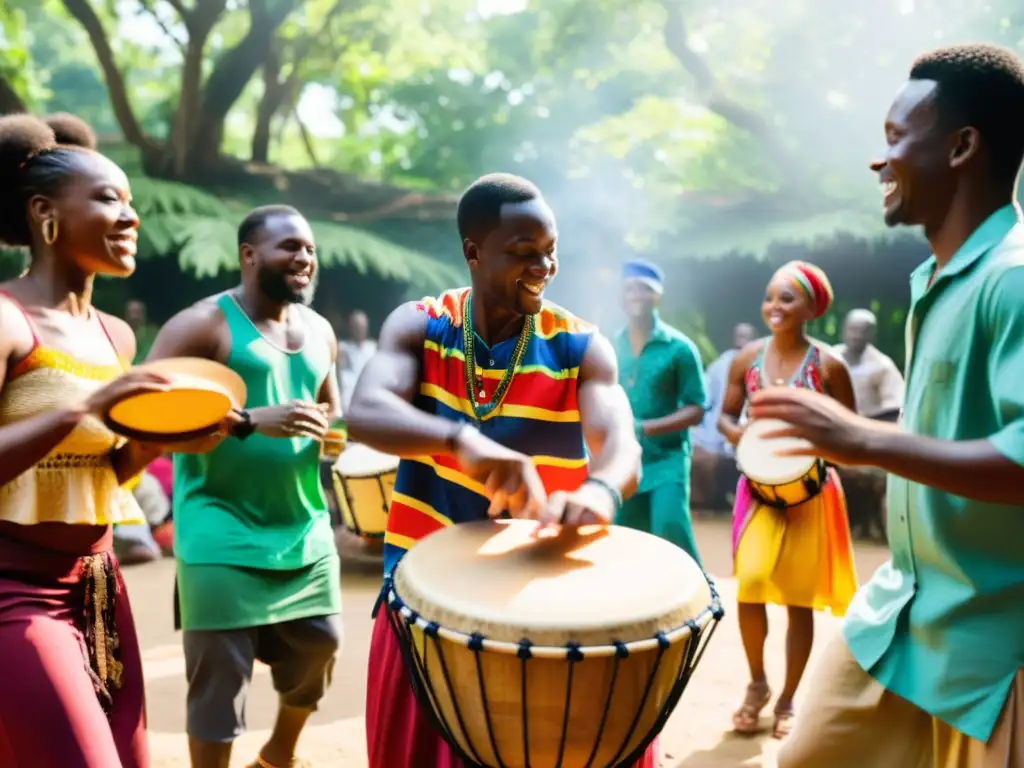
274 285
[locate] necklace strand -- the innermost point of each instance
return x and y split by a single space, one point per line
475 389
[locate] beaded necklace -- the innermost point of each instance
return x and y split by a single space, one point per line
482 407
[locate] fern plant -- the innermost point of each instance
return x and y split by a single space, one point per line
201 228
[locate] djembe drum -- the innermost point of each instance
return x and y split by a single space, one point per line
363 481
774 480
535 650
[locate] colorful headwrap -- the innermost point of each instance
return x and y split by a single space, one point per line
646 273
812 281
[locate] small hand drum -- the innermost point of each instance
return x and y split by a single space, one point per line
363 480
535 650
774 480
201 395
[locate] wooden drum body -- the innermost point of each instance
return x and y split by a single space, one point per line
561 648
363 481
777 481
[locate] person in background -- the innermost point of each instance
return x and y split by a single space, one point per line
799 557
661 372
135 543
136 316
714 469
877 382
353 354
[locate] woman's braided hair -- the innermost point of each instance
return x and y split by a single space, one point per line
37 156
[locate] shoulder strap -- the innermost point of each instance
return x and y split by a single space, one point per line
20 307
106 332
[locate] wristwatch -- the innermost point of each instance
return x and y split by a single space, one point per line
246 428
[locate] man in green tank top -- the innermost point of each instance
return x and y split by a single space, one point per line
258 575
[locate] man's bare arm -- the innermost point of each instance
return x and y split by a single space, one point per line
382 414
607 419
199 331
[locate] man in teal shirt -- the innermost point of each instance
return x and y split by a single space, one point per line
661 371
927 671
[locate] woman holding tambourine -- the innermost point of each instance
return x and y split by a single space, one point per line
791 541
73 681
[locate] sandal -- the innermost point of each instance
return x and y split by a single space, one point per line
295 763
747 718
783 721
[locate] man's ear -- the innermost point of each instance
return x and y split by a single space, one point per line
245 254
965 145
471 252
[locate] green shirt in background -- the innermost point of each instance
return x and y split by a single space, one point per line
257 505
942 623
667 376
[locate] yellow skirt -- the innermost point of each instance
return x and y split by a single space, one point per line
801 556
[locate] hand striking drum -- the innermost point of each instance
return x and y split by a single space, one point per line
497 400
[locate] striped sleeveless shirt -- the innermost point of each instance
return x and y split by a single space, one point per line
538 417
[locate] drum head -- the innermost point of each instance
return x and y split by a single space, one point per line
358 460
591 584
758 459
201 394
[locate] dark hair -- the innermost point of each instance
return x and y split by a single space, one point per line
480 205
257 219
33 161
980 85
71 130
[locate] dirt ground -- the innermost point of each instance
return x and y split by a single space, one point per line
697 736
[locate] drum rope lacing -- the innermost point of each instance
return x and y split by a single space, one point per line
402 618
475 385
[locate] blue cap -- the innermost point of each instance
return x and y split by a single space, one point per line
646 273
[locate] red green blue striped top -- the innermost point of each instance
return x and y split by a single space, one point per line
539 417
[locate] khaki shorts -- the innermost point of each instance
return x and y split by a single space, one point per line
849 720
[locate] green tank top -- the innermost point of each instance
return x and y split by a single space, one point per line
258 502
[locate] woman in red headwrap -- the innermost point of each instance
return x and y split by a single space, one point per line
798 556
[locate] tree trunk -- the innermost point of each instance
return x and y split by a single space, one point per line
10 101
274 90
230 75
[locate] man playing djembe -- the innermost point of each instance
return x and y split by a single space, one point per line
487 386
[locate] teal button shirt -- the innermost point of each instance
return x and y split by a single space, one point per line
667 376
942 623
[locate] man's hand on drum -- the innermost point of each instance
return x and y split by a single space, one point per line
835 433
298 418
509 478
590 504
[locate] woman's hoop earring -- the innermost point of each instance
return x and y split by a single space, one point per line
50 231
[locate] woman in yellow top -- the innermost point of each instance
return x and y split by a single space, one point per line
72 691
800 556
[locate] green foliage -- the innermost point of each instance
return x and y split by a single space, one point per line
202 230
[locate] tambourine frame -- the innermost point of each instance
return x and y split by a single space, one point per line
158 437
400 617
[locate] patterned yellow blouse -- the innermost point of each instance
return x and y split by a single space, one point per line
75 482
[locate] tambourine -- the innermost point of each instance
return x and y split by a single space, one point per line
202 393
